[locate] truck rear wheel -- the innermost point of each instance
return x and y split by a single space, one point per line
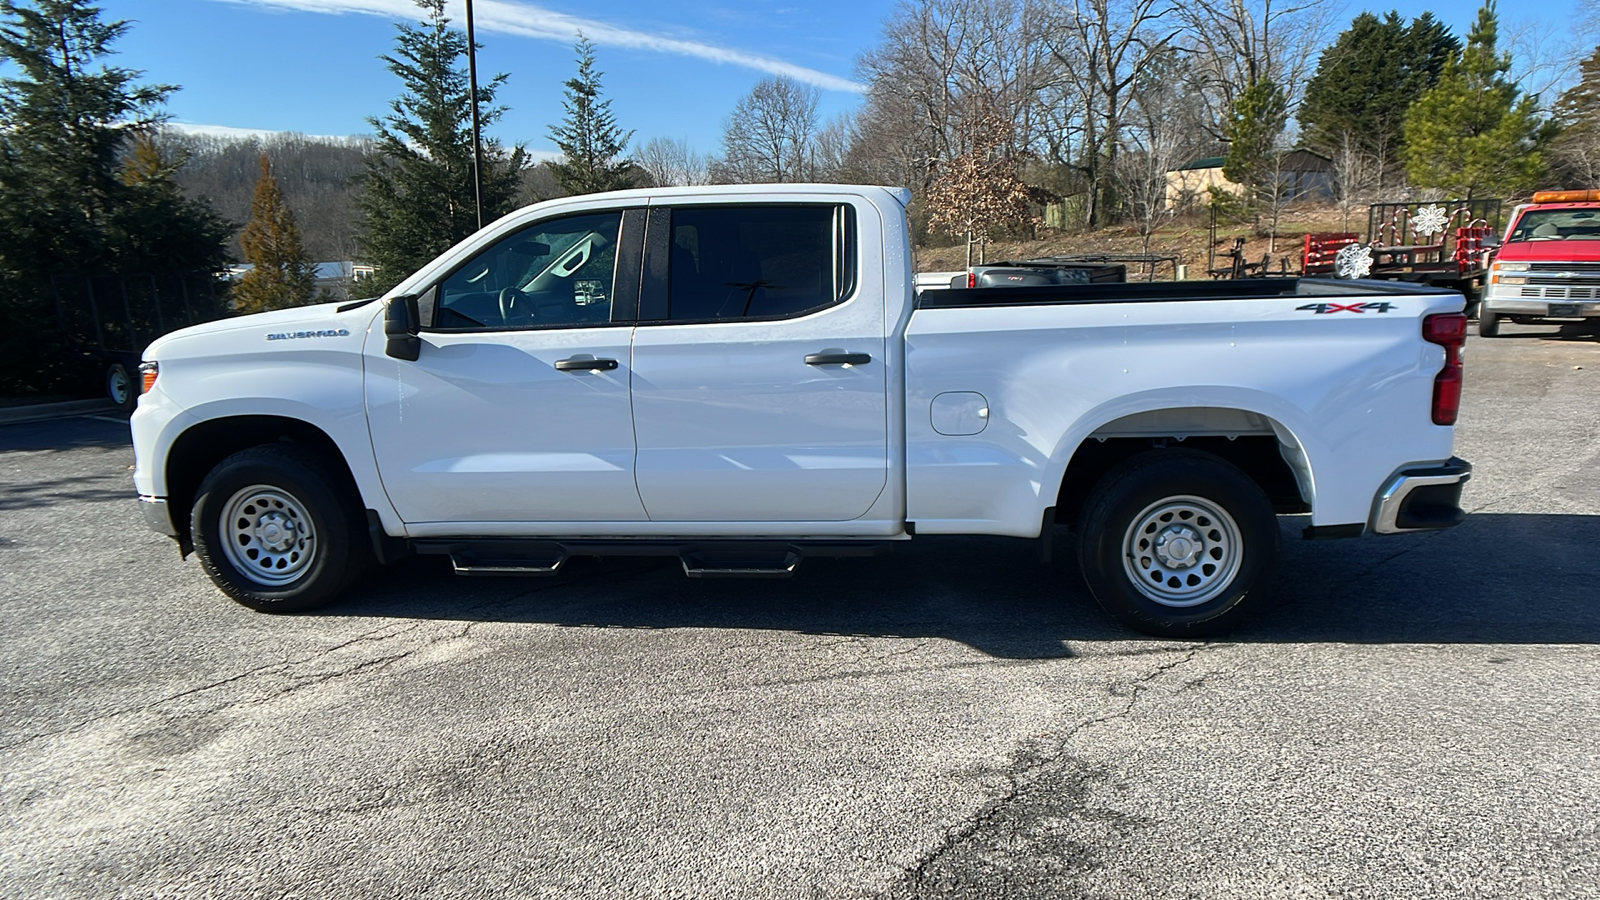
1178 543
272 530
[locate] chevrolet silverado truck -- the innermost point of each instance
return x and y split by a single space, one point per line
745 376
1548 265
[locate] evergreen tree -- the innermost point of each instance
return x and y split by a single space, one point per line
1474 133
63 124
1255 123
1368 78
69 205
283 274
417 192
154 227
590 141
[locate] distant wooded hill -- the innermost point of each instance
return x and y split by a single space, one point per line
315 174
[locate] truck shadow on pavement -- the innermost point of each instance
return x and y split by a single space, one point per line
1495 579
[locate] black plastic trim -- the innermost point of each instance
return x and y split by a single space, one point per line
1333 532
1157 292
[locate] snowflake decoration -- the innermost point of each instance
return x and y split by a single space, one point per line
1354 261
1428 220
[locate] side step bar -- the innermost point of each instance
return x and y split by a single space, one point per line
714 563
700 559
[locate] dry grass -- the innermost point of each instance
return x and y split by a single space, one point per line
1186 239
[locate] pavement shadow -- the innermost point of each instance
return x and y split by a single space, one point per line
1494 579
77 488
63 435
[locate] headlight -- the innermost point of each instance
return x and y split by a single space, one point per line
1510 267
1509 279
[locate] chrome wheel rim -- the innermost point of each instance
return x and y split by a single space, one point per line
267 534
1182 551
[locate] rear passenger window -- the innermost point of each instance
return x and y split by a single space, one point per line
758 262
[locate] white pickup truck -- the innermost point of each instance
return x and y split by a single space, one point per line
745 376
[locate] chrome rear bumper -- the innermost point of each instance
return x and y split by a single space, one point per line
1421 499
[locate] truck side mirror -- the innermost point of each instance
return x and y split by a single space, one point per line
401 325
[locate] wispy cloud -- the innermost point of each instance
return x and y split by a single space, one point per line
527 20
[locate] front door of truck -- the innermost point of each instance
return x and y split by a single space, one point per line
517 409
759 385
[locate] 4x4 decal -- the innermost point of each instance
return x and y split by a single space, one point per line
1325 308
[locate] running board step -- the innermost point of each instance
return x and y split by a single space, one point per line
732 563
468 563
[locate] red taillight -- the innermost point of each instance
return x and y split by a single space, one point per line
1448 330
972 279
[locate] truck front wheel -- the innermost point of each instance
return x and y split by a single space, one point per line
272 531
1178 543
1488 324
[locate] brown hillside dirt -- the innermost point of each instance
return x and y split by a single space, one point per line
1185 238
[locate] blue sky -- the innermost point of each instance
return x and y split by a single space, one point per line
671 69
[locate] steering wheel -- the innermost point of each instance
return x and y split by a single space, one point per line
510 307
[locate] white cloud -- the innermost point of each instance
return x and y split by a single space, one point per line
527 20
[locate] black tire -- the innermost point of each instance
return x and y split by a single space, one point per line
292 541
121 389
1202 536
1488 324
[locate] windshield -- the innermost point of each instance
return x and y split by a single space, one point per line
1557 224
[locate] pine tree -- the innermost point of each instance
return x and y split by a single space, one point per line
590 141
417 192
62 127
1474 133
283 274
68 204
1366 81
1254 125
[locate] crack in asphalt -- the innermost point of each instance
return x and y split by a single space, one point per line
386 632
1028 770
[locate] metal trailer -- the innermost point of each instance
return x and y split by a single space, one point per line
1444 243
110 319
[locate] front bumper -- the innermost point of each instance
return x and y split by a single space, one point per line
1425 498
1566 309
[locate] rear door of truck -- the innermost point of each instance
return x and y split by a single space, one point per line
759 378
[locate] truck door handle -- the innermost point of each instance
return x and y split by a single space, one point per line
838 359
590 364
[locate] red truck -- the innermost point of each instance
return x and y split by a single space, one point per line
1548 265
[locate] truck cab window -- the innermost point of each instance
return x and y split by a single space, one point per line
558 273
757 261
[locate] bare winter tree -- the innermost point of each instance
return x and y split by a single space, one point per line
1232 44
935 59
1357 173
1100 48
769 135
1159 135
671 162
832 152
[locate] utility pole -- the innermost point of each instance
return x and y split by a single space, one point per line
472 94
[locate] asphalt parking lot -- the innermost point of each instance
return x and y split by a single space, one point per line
1415 717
